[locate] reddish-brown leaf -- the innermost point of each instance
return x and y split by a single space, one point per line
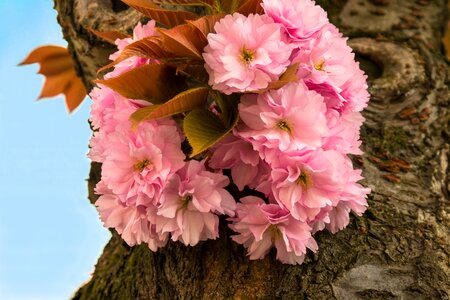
56 84
60 77
184 41
150 47
446 37
195 71
56 65
184 2
205 25
185 101
109 36
251 7
155 83
446 42
75 93
169 18
44 52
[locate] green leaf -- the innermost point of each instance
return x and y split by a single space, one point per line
141 114
203 129
155 83
169 18
182 102
228 105
229 6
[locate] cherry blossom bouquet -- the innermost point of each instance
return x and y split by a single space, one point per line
249 111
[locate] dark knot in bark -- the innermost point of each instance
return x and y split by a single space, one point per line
401 70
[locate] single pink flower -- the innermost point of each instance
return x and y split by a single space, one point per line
289 119
261 226
339 217
355 91
139 32
238 155
108 111
331 94
129 221
190 203
109 108
344 132
328 66
352 198
139 164
301 19
328 60
245 53
306 183
98 146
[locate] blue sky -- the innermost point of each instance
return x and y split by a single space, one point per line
50 236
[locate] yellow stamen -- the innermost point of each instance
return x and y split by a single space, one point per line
283 125
275 232
186 200
140 166
247 55
319 66
304 180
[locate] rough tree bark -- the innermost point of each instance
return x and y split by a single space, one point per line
398 250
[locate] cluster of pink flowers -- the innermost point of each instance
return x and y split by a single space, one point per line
289 150
148 191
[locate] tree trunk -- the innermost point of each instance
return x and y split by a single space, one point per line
399 249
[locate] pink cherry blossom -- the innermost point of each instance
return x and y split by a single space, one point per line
139 164
109 108
327 61
190 203
98 146
352 198
139 32
245 53
301 19
238 155
289 119
328 66
261 226
306 183
129 221
355 91
108 111
344 132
